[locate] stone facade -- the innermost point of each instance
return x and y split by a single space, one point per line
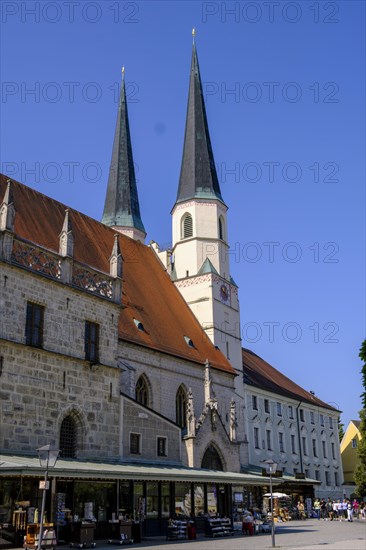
41 386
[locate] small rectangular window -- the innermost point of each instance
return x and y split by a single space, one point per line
302 418
280 441
312 418
293 445
34 325
333 450
331 423
354 443
322 420
307 473
91 342
161 446
324 445
254 403
336 479
315 451
279 409
290 412
266 406
304 448
256 438
327 478
268 436
135 443
317 475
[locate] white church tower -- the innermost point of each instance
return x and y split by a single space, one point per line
200 266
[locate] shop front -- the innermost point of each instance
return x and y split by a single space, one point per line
140 497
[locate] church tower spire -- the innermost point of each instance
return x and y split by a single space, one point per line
198 177
121 207
200 266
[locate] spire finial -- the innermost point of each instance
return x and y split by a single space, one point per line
123 72
193 34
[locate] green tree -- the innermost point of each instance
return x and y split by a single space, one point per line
362 355
340 430
360 473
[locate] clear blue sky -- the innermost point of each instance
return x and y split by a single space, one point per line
289 143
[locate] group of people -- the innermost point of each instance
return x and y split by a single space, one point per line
342 509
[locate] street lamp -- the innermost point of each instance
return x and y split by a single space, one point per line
271 467
47 458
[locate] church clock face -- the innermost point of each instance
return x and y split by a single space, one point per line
224 293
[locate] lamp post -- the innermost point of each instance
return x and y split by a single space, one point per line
47 458
271 467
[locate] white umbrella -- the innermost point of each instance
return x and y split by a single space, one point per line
276 495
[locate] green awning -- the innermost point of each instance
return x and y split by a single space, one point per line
11 465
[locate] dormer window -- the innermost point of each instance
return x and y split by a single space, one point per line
187 226
189 342
139 325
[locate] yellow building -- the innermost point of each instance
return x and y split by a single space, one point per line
350 461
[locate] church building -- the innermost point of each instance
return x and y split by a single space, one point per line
128 359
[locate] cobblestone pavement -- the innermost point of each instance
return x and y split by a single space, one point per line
297 535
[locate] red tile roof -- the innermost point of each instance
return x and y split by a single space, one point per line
259 373
148 294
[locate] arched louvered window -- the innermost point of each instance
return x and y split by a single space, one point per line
187 226
211 459
181 407
221 228
68 437
142 391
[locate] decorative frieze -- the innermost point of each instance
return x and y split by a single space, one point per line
36 259
92 281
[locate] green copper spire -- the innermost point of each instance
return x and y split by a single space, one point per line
198 177
121 208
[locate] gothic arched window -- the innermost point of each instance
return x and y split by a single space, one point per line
187 226
181 407
142 391
68 437
211 459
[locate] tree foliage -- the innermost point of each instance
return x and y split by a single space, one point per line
340 430
362 355
360 473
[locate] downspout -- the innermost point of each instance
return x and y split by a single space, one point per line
299 438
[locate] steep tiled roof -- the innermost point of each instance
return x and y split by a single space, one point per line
357 423
148 294
259 373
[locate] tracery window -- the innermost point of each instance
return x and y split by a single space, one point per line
142 391
181 407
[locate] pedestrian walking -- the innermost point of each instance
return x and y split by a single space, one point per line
317 507
323 509
349 511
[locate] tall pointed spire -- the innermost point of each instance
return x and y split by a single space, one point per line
121 208
198 177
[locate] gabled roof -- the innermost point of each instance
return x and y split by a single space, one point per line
198 177
148 294
259 373
357 423
122 206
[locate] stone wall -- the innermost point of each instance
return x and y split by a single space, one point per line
39 387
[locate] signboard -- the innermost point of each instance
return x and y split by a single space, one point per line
43 485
